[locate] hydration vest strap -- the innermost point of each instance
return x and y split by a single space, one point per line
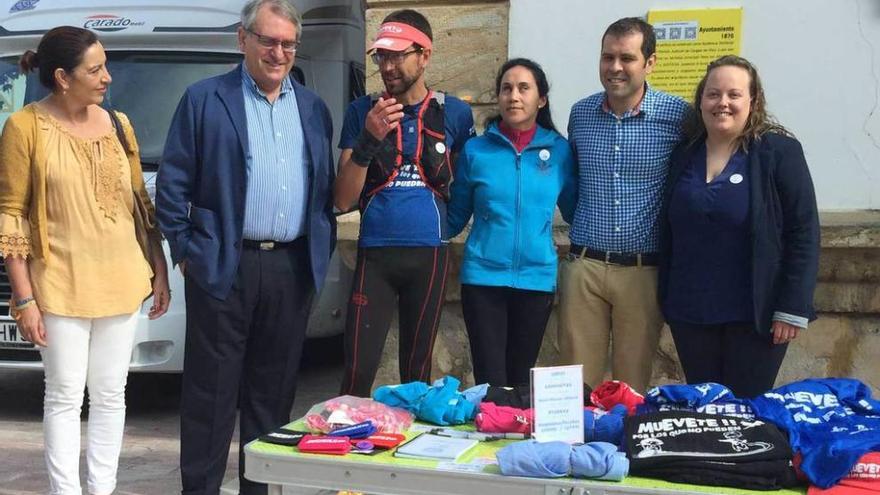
441 100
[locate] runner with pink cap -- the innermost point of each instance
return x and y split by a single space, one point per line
397 37
398 148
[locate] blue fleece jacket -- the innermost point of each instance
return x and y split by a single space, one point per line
512 197
441 404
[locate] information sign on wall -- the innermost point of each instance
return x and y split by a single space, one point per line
687 40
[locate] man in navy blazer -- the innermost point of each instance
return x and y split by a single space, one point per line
244 199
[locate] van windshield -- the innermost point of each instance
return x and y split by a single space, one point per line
146 86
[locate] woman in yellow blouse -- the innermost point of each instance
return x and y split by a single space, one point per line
70 197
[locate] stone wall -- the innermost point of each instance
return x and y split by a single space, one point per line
845 340
470 44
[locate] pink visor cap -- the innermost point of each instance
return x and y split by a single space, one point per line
397 37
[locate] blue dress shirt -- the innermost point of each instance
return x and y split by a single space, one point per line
277 164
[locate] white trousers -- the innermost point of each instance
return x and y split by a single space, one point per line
93 352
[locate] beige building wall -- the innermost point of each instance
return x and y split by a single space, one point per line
470 43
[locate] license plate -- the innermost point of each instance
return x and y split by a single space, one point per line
10 338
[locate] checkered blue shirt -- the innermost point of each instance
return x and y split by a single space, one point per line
622 166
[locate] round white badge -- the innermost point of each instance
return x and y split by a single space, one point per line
440 147
544 154
736 178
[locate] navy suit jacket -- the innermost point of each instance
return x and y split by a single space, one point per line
202 181
784 228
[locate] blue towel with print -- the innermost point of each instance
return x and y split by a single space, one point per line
690 396
832 422
709 398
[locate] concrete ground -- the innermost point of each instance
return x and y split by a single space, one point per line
149 461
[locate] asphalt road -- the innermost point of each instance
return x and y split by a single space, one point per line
149 461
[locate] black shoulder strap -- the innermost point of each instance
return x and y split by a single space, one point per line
120 134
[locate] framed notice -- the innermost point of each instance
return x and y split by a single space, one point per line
687 40
558 404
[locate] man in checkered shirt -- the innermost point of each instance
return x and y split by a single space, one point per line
622 138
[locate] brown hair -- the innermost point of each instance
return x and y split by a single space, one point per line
760 122
634 25
60 48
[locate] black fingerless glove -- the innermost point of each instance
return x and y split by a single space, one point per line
365 149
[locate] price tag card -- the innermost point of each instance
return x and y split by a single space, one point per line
558 404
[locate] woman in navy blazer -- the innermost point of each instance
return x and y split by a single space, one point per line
739 236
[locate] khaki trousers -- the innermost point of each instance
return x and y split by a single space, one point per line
602 304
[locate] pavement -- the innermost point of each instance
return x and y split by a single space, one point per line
148 464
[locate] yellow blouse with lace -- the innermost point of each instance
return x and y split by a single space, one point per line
66 202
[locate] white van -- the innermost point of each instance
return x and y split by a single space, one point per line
155 49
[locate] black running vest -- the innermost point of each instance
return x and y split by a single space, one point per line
431 157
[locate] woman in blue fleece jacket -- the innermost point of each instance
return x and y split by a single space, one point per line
510 180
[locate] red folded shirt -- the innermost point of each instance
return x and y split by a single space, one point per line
503 419
863 479
614 392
